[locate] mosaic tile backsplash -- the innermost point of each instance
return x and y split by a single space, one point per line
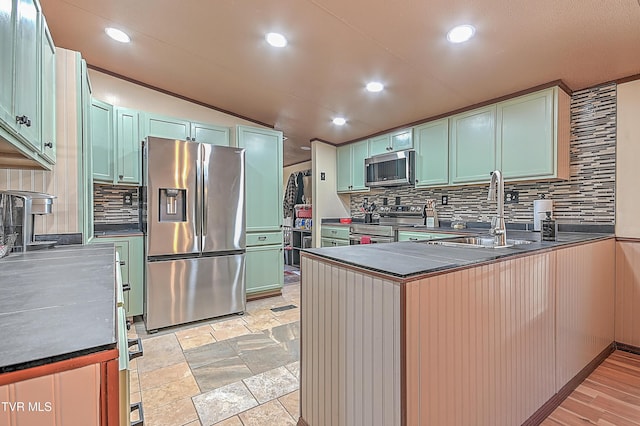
109 207
588 197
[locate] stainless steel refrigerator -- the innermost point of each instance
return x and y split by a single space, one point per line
193 217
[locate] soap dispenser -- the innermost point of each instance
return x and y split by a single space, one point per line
548 228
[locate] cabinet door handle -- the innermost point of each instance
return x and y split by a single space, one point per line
138 406
334 232
126 287
123 263
121 177
262 238
135 354
48 145
413 239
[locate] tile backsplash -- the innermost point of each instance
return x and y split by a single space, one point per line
109 207
587 197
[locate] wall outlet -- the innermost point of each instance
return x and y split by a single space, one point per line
511 197
445 200
127 199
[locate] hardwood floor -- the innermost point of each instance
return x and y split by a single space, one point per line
610 396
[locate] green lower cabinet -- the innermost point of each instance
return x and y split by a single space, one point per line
422 236
333 242
131 254
264 268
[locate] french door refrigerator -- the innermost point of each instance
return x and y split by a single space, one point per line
193 217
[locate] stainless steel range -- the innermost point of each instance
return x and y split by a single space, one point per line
386 231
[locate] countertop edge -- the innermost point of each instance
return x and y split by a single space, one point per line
405 278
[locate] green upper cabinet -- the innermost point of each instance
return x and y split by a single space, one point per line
83 96
527 137
48 94
102 141
166 127
390 142
128 148
263 177
350 166
7 45
473 145
208 133
27 85
115 144
431 141
27 74
176 128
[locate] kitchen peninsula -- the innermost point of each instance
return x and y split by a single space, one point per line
412 333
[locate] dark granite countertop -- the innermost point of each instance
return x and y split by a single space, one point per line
407 259
56 304
107 230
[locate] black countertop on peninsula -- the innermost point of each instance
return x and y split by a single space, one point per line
407 259
56 304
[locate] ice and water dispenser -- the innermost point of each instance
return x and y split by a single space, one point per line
173 205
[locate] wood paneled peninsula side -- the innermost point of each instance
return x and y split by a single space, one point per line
411 333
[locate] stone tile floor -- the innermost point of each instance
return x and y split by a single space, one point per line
239 370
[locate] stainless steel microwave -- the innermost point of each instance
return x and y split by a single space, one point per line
392 169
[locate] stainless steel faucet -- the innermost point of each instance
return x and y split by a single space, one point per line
496 192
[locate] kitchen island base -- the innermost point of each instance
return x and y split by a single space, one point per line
487 344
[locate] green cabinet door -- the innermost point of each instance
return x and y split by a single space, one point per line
473 146
526 136
343 168
380 144
102 141
130 250
166 127
48 95
432 153
359 151
27 75
129 153
350 166
395 141
208 133
401 140
83 98
7 45
263 177
264 268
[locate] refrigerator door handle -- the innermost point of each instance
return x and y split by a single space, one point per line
206 152
198 198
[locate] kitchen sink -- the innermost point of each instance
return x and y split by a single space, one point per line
477 241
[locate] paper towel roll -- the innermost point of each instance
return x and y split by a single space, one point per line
540 207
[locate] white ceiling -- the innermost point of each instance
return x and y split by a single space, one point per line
214 52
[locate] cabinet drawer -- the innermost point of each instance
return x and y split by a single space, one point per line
421 236
264 238
340 232
333 242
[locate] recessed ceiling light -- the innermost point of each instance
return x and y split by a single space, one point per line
276 39
339 121
375 86
461 33
305 148
117 35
